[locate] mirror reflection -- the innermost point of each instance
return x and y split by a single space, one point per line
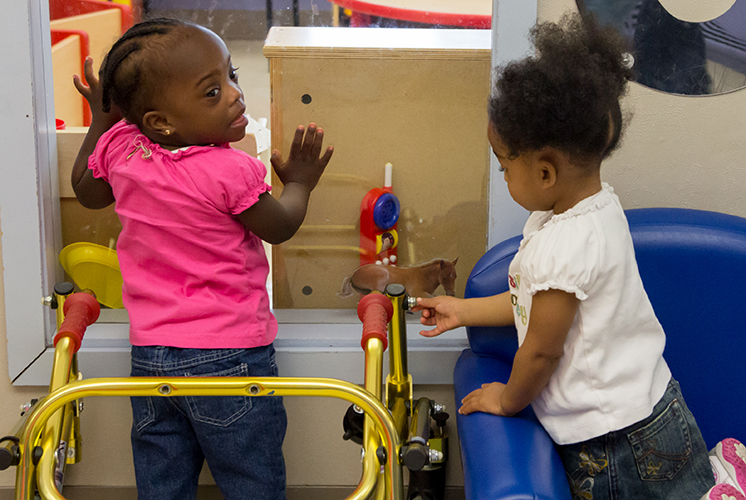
382 99
677 56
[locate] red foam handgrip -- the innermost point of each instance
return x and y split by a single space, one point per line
81 310
375 311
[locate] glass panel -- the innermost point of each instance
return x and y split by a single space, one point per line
420 106
410 98
681 46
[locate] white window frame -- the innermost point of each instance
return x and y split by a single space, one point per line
328 345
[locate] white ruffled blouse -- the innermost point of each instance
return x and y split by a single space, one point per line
612 372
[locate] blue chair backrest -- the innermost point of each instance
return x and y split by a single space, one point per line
693 266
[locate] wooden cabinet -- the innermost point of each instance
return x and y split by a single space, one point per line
415 98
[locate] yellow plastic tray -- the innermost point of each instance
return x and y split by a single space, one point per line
94 267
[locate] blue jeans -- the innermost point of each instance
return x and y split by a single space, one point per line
239 436
660 457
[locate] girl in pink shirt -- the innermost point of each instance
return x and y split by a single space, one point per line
194 213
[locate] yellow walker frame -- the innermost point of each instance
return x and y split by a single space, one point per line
47 437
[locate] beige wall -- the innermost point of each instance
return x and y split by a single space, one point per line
677 151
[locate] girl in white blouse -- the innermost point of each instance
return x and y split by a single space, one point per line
590 358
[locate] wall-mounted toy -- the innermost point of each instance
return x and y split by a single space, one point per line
379 213
419 281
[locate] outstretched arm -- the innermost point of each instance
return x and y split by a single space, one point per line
90 191
277 220
447 313
552 314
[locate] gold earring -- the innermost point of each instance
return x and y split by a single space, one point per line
168 131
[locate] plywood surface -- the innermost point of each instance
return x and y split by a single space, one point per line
66 62
103 28
426 116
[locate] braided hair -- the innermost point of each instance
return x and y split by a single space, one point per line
129 74
567 94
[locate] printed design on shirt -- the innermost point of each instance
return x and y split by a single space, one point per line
140 146
520 311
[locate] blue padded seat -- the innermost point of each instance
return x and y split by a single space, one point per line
693 266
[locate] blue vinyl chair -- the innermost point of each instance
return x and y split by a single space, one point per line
693 266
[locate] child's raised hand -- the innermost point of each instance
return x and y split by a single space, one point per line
442 312
486 399
304 164
93 93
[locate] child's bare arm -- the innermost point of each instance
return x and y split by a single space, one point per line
277 220
90 191
552 314
447 313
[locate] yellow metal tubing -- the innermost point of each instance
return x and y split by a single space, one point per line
50 461
399 415
45 480
369 478
398 371
373 367
63 364
59 312
53 423
372 383
205 386
399 381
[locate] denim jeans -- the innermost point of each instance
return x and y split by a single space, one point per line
660 457
239 436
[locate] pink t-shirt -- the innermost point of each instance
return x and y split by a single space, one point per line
193 275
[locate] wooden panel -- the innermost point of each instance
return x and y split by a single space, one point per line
103 28
68 145
66 62
426 115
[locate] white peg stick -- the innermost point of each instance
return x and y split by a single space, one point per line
387 175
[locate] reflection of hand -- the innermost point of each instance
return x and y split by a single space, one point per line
486 399
304 164
442 312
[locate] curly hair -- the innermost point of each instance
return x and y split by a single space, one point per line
566 95
132 69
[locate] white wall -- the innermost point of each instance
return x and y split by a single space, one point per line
677 151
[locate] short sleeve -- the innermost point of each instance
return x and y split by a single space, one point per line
563 256
110 145
230 179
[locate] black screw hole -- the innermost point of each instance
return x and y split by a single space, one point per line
306 99
307 290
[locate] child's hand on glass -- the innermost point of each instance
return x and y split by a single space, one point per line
304 164
486 399
442 312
